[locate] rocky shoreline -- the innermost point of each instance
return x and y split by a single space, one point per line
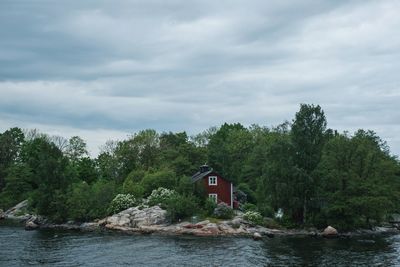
153 220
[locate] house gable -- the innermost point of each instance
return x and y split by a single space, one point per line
216 187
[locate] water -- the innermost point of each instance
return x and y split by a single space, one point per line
59 248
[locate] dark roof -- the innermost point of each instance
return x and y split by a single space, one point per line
200 175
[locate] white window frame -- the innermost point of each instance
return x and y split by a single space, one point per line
212 177
214 197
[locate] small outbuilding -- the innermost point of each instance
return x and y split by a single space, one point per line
216 187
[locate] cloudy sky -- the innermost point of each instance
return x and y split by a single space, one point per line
105 69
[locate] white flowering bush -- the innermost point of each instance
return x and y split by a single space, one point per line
122 202
160 196
253 217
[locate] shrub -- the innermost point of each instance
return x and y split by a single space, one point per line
266 210
160 196
223 211
245 188
209 206
78 201
253 217
180 206
163 178
130 187
101 194
249 207
122 202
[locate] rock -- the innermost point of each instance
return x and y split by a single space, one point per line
236 222
19 212
102 222
210 229
193 226
30 225
136 218
90 226
257 236
330 232
18 209
2 214
203 223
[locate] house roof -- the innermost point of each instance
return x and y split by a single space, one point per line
200 175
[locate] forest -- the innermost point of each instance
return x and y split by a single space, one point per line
314 174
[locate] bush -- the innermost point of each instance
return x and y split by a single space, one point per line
209 206
122 202
249 207
223 211
160 197
245 188
163 178
135 189
253 217
266 210
101 194
78 201
180 207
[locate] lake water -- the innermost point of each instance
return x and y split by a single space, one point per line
59 248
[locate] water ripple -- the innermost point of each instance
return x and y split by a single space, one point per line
52 248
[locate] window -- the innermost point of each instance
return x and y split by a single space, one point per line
212 180
214 197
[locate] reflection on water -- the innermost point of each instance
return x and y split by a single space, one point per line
57 248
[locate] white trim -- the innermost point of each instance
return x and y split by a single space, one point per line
231 195
212 177
213 196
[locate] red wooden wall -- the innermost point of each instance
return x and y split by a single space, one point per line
222 189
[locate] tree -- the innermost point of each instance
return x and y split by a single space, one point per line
19 184
179 154
11 142
360 181
76 148
228 148
49 175
308 139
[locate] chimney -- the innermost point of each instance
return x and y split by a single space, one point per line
204 168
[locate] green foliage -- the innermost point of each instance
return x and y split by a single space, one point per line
78 201
162 178
86 170
49 176
181 206
265 210
101 194
250 194
315 175
253 217
132 184
228 148
87 202
122 202
223 211
18 186
209 206
11 142
76 148
360 183
249 207
185 185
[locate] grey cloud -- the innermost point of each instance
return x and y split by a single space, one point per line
121 66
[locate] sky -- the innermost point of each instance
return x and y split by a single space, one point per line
106 69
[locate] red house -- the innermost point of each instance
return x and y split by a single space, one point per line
216 187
